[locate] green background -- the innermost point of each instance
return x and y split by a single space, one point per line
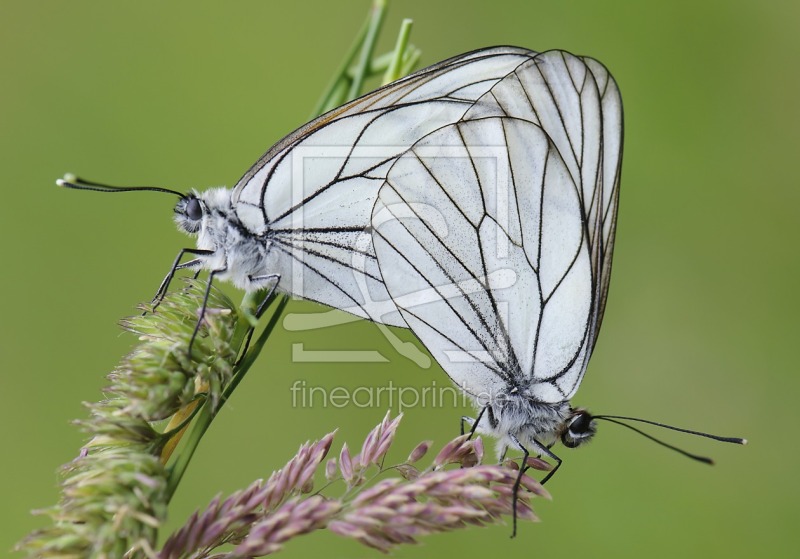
701 324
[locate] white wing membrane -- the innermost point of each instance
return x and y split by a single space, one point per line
526 184
312 194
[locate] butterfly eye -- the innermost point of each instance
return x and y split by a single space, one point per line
580 424
193 209
580 429
188 213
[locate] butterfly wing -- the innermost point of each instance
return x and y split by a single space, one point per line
492 241
311 195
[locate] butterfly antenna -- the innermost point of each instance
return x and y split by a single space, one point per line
618 420
77 183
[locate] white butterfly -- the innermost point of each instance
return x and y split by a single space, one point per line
301 215
528 184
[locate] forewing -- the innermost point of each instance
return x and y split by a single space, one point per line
312 194
480 240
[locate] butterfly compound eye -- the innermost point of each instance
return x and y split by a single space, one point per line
193 209
189 213
580 429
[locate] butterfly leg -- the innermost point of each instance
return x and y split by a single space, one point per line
503 454
176 265
541 449
203 307
262 306
266 301
473 422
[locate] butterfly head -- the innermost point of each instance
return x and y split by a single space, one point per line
207 215
578 429
189 213
225 246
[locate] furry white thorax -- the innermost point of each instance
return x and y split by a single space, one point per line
532 423
242 254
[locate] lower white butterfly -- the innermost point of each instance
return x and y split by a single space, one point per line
474 202
528 184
